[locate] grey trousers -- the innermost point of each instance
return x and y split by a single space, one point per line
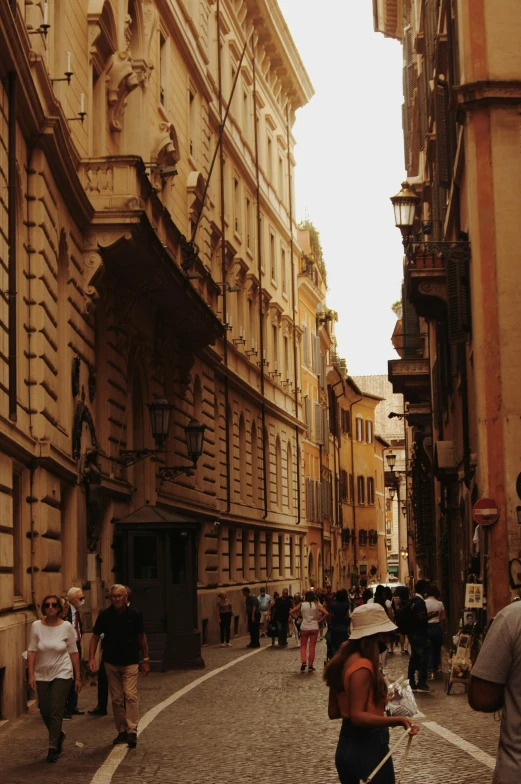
52 696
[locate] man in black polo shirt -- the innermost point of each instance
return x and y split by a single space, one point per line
123 642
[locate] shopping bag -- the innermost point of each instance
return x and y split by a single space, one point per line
401 701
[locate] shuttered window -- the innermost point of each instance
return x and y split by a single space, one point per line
369 431
305 344
361 489
344 489
307 414
359 429
410 328
409 80
319 424
443 152
370 490
458 300
351 488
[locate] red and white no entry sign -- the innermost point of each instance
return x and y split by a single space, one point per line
486 511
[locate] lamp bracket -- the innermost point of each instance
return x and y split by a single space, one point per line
129 457
457 250
171 473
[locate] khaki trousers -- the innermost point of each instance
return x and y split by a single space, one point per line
122 680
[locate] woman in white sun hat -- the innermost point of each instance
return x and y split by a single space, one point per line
357 695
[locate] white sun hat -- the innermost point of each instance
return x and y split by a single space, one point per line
370 619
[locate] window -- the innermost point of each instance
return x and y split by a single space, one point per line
275 346
287 367
246 115
281 177
236 206
369 431
192 112
359 429
249 224
345 421
163 69
273 258
361 489
344 488
283 270
362 541
370 490
351 488
269 158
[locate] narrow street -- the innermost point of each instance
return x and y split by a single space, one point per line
253 721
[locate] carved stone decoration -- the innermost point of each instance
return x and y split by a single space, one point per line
76 376
150 17
183 365
127 31
90 478
92 273
99 179
164 151
82 416
121 80
195 186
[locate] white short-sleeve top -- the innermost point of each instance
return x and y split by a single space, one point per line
53 646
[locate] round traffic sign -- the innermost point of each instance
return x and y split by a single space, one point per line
486 511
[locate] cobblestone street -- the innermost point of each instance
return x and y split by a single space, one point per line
249 722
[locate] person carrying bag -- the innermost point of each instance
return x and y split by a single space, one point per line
357 695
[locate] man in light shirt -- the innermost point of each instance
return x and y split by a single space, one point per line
264 603
495 683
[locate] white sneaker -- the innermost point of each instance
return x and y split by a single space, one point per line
223 645
228 644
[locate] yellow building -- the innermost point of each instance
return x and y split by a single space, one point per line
459 365
145 262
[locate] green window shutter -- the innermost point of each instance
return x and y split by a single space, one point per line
458 305
409 80
443 153
435 395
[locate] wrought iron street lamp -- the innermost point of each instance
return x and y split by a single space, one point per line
404 507
159 412
391 461
392 492
194 445
404 205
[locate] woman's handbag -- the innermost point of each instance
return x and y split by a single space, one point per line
272 629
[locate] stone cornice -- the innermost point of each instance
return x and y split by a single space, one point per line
491 92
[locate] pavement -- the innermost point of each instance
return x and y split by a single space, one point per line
250 717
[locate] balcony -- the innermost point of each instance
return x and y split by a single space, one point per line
425 276
411 378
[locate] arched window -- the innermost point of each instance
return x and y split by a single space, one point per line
243 465
254 451
289 471
198 414
278 473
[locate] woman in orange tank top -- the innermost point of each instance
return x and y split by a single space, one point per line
357 695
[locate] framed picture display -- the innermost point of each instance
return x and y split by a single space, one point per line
473 596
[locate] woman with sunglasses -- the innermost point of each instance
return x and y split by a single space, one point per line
52 659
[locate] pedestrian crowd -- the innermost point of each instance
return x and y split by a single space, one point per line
54 663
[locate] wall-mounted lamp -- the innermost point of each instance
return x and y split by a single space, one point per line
231 289
404 507
44 27
159 412
391 461
392 493
194 433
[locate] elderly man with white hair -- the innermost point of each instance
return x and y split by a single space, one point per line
125 652
76 599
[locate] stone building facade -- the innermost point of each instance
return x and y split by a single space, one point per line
141 259
459 365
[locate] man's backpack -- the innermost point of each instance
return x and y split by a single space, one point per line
405 618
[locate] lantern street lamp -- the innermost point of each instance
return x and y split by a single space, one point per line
159 412
404 205
404 507
392 492
391 461
194 433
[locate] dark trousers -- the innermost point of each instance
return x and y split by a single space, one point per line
52 696
103 687
72 699
419 661
225 622
435 633
358 753
282 633
254 630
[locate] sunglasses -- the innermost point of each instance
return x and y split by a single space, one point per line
50 604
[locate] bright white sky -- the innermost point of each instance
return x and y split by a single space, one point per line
349 157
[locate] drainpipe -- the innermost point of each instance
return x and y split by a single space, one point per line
12 240
223 271
353 433
259 260
293 296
